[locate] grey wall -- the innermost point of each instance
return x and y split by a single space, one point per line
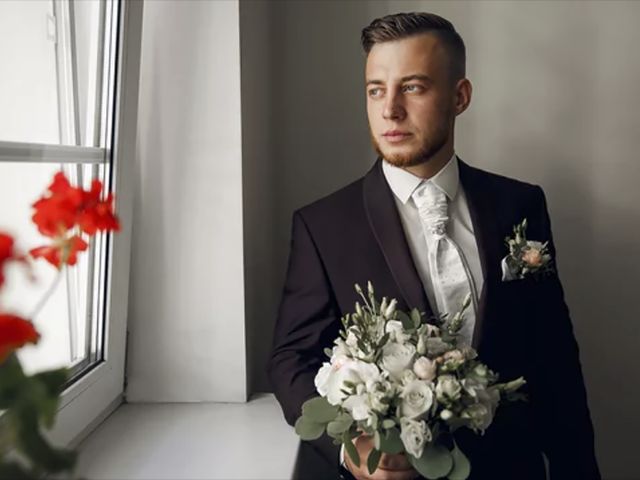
186 308
554 103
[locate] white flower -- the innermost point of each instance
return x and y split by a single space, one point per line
425 368
368 400
352 337
407 376
390 309
417 398
331 377
436 346
446 414
397 357
414 434
396 331
479 415
448 389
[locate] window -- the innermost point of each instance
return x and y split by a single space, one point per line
69 101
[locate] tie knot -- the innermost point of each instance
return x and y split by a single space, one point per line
432 206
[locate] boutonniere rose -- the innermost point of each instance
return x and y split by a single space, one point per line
526 257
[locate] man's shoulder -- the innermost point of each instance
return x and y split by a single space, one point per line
507 188
343 202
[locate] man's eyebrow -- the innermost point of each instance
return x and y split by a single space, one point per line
423 78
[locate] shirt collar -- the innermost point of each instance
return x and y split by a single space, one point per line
403 183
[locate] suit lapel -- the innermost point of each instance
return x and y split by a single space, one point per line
385 223
484 212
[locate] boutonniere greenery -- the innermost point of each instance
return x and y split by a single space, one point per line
526 257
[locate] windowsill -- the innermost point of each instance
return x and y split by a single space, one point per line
191 441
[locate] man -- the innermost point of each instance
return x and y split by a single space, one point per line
380 228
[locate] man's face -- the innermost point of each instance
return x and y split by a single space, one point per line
411 99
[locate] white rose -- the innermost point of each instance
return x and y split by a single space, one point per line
448 389
407 376
417 398
396 331
414 434
425 368
397 357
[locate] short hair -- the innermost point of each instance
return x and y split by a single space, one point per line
403 25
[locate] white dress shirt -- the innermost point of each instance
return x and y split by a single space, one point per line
459 227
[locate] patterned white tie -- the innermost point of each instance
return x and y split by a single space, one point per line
449 272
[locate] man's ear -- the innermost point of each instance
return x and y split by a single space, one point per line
463 95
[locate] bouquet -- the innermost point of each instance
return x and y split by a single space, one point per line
408 384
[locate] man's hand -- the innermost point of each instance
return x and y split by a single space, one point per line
390 467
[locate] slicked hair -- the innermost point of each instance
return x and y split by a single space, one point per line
403 25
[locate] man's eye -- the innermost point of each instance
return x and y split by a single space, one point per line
374 92
412 88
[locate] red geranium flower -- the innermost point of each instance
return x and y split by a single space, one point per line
6 252
63 251
57 212
14 333
66 206
95 214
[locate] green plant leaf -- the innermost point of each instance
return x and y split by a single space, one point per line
31 442
308 429
14 471
373 459
407 323
351 449
390 442
341 424
319 410
461 466
436 462
416 317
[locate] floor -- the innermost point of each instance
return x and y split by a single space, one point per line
191 441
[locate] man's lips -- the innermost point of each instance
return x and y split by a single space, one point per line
395 135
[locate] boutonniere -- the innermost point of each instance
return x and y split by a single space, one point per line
526 257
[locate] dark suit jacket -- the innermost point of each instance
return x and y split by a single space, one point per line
522 327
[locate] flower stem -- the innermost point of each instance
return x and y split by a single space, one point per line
47 295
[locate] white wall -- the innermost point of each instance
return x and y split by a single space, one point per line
186 315
554 103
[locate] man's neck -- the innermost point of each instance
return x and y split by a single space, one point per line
433 165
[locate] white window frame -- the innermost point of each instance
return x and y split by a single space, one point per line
99 391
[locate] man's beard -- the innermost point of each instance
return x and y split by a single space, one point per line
424 154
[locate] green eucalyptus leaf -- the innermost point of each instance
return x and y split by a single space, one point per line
319 410
436 462
461 466
373 460
308 429
390 442
341 424
351 449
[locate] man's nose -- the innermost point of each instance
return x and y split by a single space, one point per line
393 107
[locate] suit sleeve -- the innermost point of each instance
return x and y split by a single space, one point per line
558 392
307 322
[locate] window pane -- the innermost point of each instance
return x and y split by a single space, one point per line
71 319
53 84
